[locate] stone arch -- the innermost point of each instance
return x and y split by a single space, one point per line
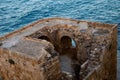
68 40
67 48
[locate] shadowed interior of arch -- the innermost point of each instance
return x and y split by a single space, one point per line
44 38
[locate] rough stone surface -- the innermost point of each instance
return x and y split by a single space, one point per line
60 49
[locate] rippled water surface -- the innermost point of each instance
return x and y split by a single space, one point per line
14 14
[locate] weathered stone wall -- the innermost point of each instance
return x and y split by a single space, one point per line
15 65
104 65
94 53
51 69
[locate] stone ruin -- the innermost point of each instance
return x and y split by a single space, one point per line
60 49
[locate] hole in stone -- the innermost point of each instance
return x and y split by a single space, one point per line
68 46
68 57
44 38
73 43
11 61
66 42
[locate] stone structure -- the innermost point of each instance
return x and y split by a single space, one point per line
60 49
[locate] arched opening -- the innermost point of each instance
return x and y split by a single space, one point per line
66 42
68 46
68 57
44 38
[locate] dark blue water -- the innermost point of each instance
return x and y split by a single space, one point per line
14 14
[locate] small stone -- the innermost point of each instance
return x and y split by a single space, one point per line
96 49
